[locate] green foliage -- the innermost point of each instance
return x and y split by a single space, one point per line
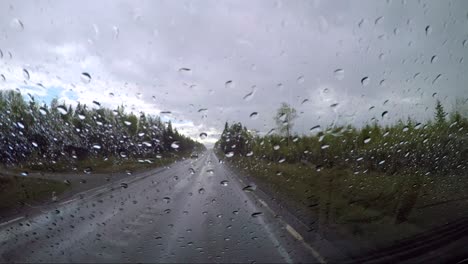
284 119
40 134
434 147
440 113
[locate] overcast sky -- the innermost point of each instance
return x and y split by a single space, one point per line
234 58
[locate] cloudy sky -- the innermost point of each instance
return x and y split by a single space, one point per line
208 62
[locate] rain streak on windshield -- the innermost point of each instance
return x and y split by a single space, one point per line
231 131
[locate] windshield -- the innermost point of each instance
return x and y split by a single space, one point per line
233 131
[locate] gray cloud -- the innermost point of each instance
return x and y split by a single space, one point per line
288 50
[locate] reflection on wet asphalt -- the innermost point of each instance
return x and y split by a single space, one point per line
195 211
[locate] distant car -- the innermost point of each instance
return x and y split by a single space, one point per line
194 156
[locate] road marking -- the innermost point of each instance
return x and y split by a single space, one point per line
264 204
11 221
69 201
298 236
292 231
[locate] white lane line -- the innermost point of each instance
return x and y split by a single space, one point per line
11 221
292 231
69 201
264 204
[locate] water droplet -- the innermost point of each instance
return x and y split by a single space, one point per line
257 214
20 125
34 144
428 30
250 188
62 110
96 146
229 154
384 114
361 23
88 170
250 95
203 135
3 77
434 59
224 183
116 32
334 105
367 140
146 143
85 77
229 84
315 129
26 74
201 191
166 199
465 43
191 171
210 171
276 147
124 185
17 24
300 79
127 123
81 116
405 129
24 173
436 78
281 160
185 70
339 74
43 111
175 145
254 115
249 154
378 20
365 81
325 146
381 162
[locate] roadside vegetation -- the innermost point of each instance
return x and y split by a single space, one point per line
17 191
377 182
59 138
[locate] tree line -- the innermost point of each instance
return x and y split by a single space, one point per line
31 132
439 145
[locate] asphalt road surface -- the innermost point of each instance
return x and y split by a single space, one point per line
194 211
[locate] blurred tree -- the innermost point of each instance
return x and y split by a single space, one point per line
284 119
440 113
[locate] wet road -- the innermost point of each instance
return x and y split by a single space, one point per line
194 211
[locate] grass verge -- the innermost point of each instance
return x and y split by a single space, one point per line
98 165
16 191
371 206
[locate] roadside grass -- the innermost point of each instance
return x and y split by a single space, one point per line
376 207
16 191
98 165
